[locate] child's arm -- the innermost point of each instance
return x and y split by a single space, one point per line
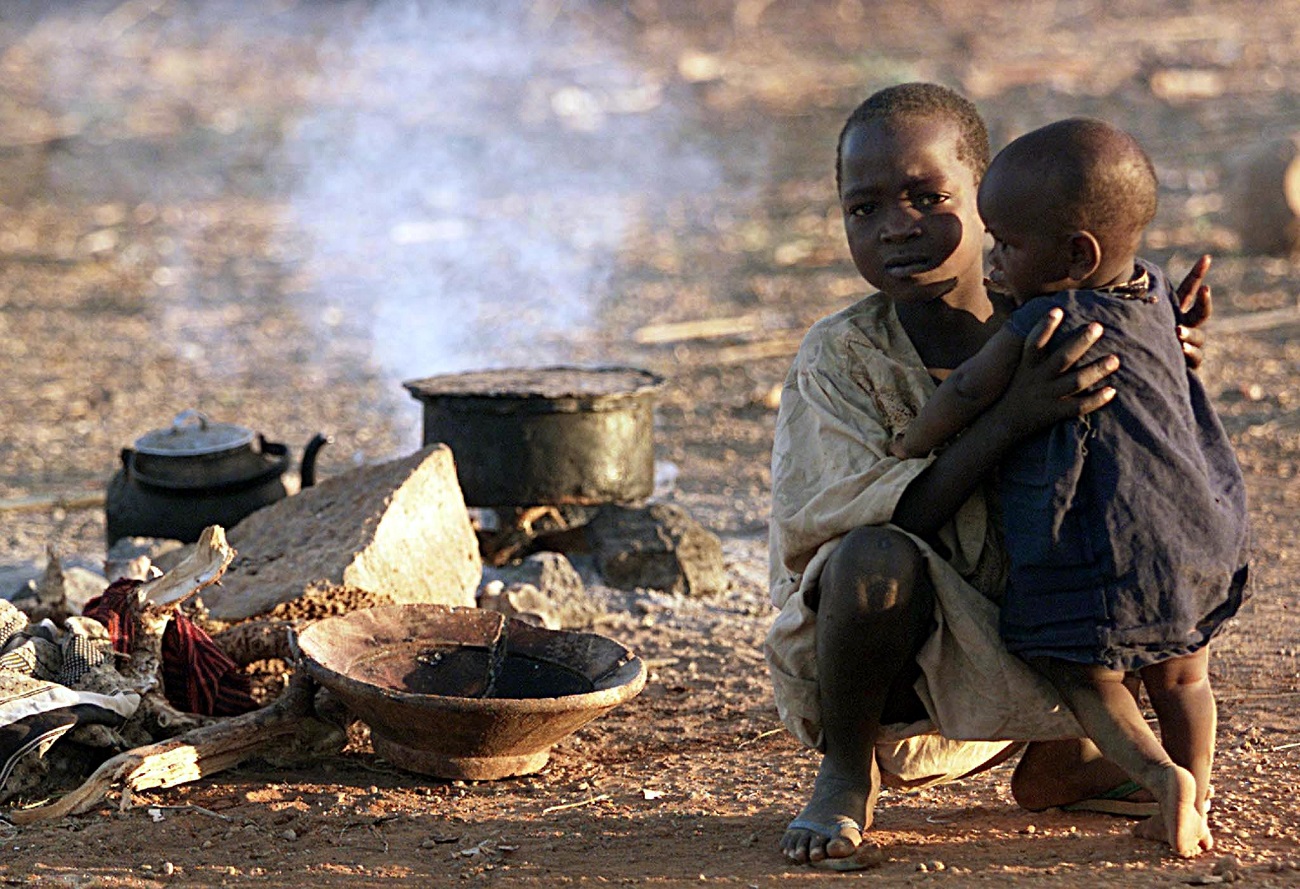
967 392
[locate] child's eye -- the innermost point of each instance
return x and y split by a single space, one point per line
863 209
929 199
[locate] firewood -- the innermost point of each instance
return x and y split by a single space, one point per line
152 606
190 756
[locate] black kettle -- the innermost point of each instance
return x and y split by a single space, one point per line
176 481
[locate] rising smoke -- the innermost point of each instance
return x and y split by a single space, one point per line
469 190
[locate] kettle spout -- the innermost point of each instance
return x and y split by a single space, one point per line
308 471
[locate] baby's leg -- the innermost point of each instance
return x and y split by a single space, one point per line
1112 719
1180 692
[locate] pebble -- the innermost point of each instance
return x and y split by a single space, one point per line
1029 829
168 868
290 834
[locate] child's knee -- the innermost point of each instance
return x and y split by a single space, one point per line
884 569
1177 673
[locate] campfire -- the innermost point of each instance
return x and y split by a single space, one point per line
434 588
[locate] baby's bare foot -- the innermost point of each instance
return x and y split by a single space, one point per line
1181 823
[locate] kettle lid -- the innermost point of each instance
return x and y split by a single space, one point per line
192 434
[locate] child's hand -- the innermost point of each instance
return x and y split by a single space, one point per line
1050 386
896 448
1194 309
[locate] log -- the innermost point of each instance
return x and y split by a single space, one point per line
188 757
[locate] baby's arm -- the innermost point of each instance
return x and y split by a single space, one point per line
967 392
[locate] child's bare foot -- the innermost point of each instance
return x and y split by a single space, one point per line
1181 823
830 828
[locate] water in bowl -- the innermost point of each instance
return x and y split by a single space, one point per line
467 671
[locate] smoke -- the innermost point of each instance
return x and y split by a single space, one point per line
472 176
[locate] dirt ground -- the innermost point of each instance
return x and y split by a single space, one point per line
277 211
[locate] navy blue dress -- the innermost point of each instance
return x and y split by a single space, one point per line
1126 529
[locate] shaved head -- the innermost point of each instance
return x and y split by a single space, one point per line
1095 177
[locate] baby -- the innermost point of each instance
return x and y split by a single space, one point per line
1126 528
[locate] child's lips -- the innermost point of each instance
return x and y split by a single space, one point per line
907 266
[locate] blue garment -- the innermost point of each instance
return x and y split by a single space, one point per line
1127 528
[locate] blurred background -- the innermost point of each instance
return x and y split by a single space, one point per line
276 212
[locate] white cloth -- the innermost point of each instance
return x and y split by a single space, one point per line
856 381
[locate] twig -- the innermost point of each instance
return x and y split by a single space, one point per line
582 802
1256 321
767 734
190 807
705 328
52 501
1284 747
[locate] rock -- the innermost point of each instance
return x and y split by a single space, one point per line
16 580
544 588
398 529
124 556
550 572
659 547
1264 198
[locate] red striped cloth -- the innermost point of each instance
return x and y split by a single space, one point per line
198 677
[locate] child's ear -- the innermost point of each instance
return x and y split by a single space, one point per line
1085 255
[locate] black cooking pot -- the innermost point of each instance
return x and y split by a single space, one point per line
550 435
177 481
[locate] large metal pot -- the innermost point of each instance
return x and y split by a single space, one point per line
176 481
550 435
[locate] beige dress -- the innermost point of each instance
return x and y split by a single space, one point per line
857 381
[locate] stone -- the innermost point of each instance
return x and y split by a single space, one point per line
544 589
657 547
1264 198
398 529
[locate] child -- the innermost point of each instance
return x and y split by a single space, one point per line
1126 529
886 573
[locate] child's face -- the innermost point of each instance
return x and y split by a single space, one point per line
1030 255
909 208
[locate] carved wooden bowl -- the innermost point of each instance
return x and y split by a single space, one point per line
464 692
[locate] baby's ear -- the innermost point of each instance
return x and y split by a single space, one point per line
1085 255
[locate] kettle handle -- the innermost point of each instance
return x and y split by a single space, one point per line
308 470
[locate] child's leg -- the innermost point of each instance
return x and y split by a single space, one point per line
1180 693
1112 719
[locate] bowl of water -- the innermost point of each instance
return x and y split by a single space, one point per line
465 692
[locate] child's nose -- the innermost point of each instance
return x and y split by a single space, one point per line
900 222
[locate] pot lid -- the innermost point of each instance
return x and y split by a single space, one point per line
593 383
193 434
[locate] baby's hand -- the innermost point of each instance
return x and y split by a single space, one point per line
896 448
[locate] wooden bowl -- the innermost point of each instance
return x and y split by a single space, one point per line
464 692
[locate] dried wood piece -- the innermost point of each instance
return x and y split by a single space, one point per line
152 606
188 757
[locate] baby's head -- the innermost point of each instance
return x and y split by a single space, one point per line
1066 205
908 163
